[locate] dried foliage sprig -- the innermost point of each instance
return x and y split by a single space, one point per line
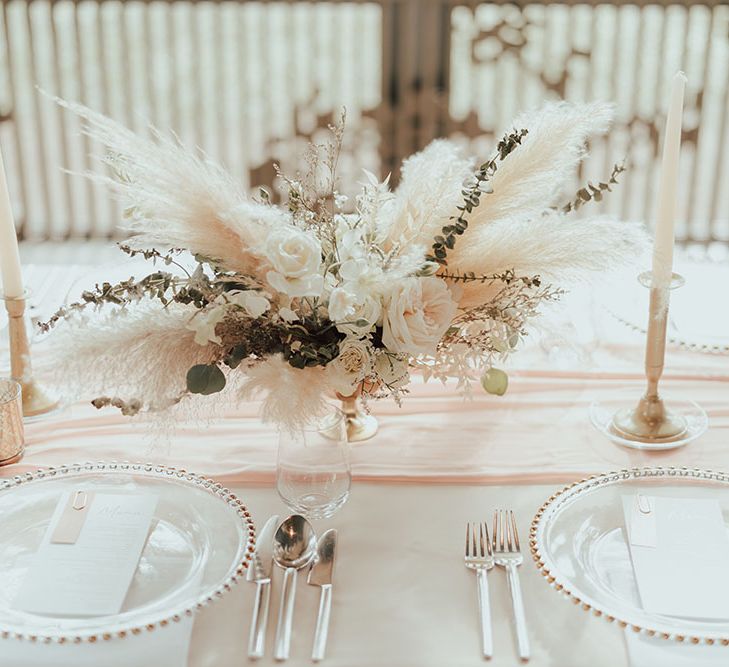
154 286
593 192
507 277
473 188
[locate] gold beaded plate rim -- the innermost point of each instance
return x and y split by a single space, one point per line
237 569
587 604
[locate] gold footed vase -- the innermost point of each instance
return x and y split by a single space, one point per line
360 425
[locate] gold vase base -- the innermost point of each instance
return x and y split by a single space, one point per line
12 459
37 401
361 427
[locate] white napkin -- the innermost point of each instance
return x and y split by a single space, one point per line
163 647
655 652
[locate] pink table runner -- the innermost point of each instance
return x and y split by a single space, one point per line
538 432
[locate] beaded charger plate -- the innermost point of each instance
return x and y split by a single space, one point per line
693 323
200 542
578 542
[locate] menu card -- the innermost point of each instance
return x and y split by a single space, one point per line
88 556
680 550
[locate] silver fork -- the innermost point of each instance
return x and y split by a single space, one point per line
507 554
479 557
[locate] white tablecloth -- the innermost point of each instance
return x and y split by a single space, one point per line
403 596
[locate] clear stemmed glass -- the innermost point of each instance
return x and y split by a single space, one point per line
313 474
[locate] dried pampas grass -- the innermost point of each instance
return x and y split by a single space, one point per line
533 177
517 226
177 199
558 248
429 191
292 396
127 353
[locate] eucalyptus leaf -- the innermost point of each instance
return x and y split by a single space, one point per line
205 379
495 381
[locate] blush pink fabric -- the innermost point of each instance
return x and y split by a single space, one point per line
538 432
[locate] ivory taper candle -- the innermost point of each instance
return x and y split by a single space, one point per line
9 256
667 191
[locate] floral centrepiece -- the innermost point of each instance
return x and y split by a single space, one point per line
322 296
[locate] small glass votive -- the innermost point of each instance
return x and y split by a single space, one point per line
12 436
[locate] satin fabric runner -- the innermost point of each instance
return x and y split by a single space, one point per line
538 432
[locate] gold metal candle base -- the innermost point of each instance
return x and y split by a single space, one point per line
650 422
360 425
36 399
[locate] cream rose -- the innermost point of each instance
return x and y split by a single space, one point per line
351 366
296 261
417 313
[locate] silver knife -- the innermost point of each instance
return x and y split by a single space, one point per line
320 574
259 570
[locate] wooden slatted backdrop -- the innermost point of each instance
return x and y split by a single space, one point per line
251 82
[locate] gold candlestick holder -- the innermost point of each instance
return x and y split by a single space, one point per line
36 399
652 423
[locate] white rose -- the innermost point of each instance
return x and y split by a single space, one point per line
393 372
296 260
418 311
351 366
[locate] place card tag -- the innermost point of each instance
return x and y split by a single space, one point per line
88 556
640 519
72 518
680 549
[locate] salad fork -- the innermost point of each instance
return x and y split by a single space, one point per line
479 557
507 554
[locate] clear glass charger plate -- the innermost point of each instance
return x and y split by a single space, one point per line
577 540
200 543
693 322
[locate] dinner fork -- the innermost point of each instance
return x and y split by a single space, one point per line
507 554
479 557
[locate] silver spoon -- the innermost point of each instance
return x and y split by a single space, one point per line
294 547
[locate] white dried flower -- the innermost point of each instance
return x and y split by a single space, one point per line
203 323
254 303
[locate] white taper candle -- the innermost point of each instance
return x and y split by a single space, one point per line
668 187
9 255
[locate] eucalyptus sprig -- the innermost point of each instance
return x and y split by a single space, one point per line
508 277
159 285
593 192
473 188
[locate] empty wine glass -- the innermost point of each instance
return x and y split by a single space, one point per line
313 475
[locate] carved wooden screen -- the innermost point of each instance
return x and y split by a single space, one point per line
252 82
